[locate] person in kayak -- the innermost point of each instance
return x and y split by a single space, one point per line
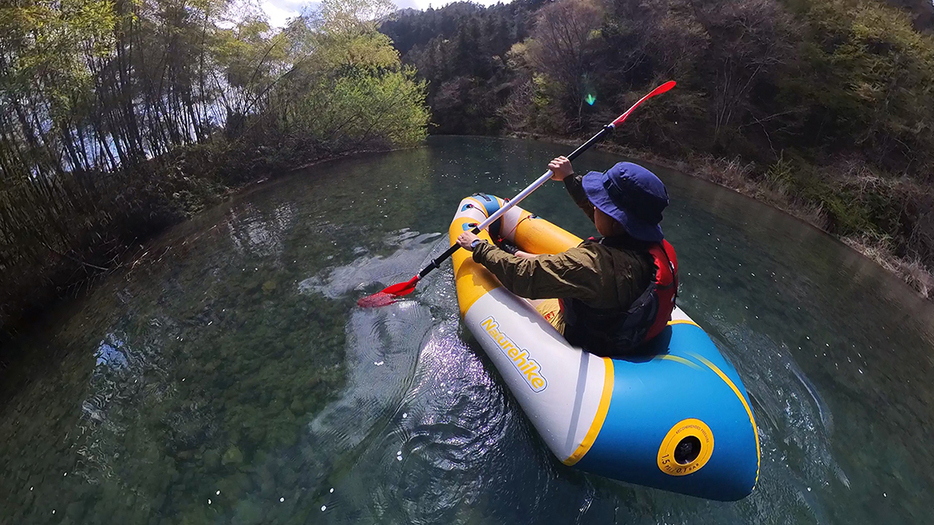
614 293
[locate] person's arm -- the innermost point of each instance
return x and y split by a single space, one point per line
572 273
563 171
512 250
466 240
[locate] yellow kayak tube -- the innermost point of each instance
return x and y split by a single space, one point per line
678 419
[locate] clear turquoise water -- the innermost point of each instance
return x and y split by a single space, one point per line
228 377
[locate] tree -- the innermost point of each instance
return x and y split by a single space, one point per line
561 47
112 107
869 83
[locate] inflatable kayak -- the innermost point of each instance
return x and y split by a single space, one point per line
677 419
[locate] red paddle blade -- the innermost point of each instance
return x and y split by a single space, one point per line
376 300
657 91
388 295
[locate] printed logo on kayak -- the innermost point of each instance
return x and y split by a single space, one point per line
528 368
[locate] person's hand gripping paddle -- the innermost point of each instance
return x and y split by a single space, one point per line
389 294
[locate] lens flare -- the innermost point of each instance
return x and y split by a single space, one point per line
590 99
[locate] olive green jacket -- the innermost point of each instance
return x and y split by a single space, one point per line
609 274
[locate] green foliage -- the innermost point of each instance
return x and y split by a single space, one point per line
44 38
462 51
871 76
122 117
831 84
560 52
246 53
361 108
855 200
353 90
352 17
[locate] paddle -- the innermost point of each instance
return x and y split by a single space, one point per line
389 294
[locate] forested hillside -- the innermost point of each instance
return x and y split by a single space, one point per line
122 117
824 107
463 49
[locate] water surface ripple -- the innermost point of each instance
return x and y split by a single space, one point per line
228 376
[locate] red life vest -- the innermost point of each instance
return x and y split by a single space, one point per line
614 333
666 286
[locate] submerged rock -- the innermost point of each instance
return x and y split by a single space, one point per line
232 456
296 407
212 459
247 512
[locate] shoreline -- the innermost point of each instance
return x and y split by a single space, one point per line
22 322
734 175
729 174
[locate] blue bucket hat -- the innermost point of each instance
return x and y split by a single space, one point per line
632 195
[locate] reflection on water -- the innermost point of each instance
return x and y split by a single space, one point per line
228 376
251 232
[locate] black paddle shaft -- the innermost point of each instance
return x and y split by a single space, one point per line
573 155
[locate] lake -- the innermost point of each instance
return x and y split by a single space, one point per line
227 376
